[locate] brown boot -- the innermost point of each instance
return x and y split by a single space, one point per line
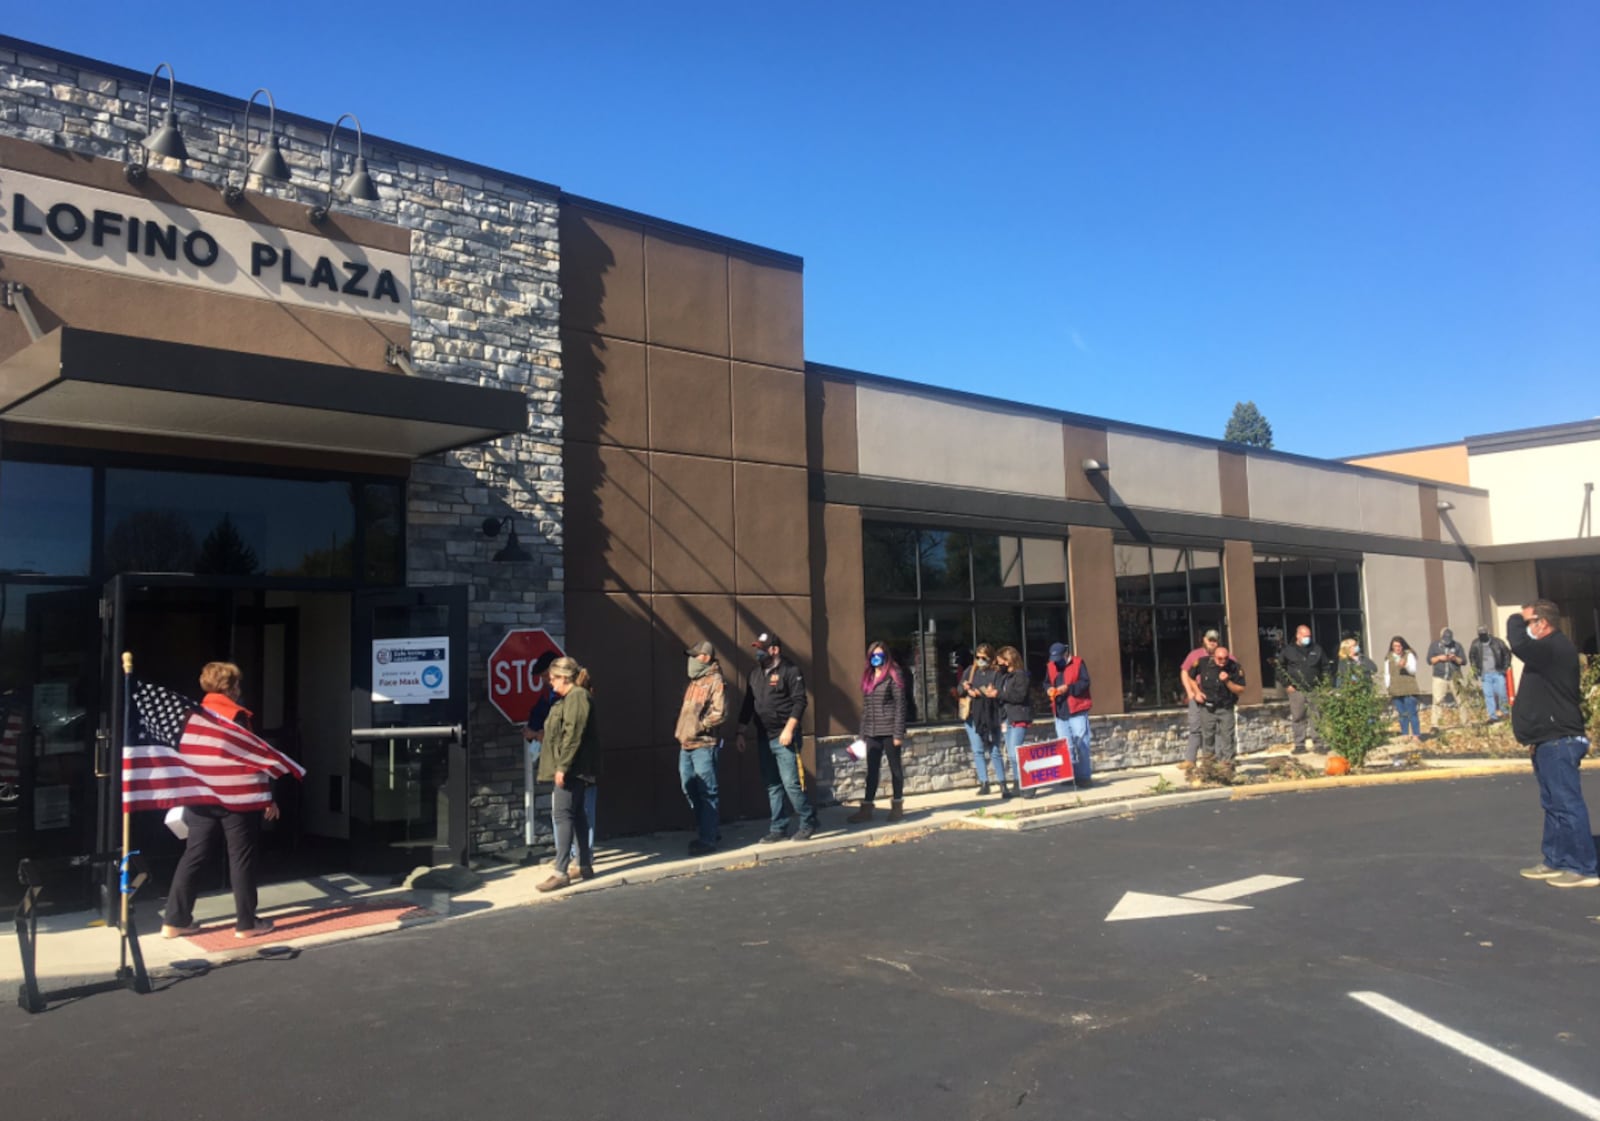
897 810
862 815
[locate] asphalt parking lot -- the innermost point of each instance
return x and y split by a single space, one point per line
965 974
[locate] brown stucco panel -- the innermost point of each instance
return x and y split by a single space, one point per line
602 274
686 295
838 616
1438 606
607 520
603 390
1428 503
766 313
1092 576
691 408
1239 593
1078 444
66 295
768 415
691 524
831 435
1233 477
608 633
770 530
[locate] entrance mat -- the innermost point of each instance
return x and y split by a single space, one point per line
310 922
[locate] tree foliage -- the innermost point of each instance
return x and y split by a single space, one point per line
1248 426
1351 718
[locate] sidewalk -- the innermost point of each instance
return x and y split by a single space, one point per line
76 947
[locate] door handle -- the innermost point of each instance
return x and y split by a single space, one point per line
102 753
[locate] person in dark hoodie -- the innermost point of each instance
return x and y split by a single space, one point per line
1547 718
774 703
1016 706
883 727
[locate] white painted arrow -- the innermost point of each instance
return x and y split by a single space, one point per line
1143 905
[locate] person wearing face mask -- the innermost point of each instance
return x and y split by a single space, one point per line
1351 664
1304 667
1547 718
981 714
699 736
1220 680
1067 679
774 703
883 727
1491 658
1446 657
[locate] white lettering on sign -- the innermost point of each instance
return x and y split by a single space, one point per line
70 224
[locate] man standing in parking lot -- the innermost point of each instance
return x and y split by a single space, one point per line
1547 718
774 702
1220 680
1303 669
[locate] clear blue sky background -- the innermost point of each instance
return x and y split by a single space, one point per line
1379 221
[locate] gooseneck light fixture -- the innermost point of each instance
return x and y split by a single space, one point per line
358 185
167 140
270 163
512 551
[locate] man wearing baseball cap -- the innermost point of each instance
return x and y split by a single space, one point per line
699 736
1209 643
774 703
1067 676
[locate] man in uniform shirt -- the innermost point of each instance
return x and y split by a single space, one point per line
1199 654
1220 681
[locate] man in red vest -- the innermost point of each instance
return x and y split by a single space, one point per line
1067 676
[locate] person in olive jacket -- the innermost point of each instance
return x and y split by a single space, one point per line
883 727
571 760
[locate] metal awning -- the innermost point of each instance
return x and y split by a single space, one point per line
73 378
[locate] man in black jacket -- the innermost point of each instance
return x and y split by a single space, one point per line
1490 658
1304 666
1220 680
774 702
1548 719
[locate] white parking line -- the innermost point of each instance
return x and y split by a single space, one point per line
1553 1088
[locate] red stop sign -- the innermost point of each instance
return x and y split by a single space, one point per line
514 687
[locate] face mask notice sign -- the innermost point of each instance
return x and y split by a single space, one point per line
409 671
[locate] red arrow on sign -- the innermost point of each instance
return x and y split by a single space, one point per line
514 687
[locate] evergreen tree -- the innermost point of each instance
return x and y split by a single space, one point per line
1248 426
224 552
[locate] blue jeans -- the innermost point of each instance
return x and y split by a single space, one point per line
1406 709
1075 730
1568 844
697 774
588 812
986 758
1493 684
780 769
1015 734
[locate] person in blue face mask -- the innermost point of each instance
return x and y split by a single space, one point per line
883 727
1304 667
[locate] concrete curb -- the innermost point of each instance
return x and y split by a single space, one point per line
1099 809
1341 782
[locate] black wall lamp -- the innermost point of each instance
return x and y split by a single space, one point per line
270 163
358 185
512 551
167 140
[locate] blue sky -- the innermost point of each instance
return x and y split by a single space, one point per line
1379 221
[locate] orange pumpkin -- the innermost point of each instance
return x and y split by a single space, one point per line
1338 765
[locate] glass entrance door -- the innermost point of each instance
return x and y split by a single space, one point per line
408 750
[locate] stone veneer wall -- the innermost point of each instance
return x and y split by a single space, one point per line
484 259
939 758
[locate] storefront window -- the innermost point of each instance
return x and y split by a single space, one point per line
1319 592
46 523
933 594
228 525
381 507
1167 599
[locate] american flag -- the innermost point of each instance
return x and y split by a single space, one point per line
179 754
10 745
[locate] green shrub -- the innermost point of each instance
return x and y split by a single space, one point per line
1350 719
1589 695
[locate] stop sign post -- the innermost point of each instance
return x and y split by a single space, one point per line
514 688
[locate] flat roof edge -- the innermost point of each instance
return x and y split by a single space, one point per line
611 210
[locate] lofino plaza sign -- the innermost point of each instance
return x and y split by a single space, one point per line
66 223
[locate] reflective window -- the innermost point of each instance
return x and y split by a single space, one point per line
932 595
46 518
228 525
1318 592
1168 598
382 505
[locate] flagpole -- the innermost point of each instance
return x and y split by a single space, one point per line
127 818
